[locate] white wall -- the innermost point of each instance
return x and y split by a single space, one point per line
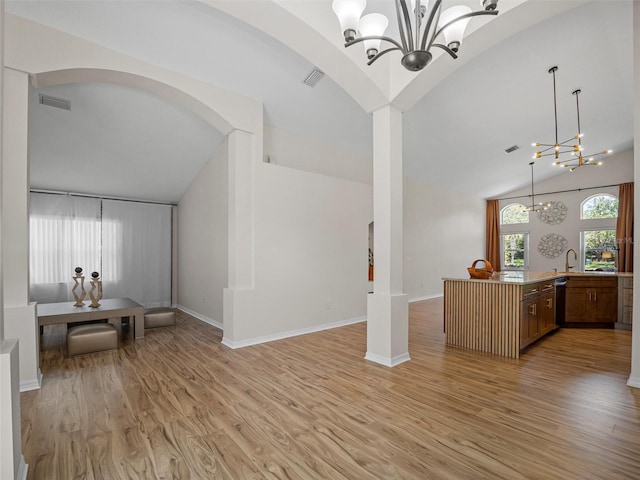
203 240
20 319
295 151
12 464
444 232
311 250
617 169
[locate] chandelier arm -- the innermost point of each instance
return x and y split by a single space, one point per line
461 17
434 10
382 53
418 20
400 5
547 155
376 37
446 49
549 147
597 154
568 140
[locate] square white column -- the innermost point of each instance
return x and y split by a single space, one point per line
387 306
238 297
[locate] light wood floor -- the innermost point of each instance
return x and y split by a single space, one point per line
180 405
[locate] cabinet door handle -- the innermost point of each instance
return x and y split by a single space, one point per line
595 296
549 302
589 296
532 309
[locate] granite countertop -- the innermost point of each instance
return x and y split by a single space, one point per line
525 277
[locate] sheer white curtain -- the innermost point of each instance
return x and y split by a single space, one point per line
136 252
128 243
65 233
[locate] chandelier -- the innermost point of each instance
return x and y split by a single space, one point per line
535 207
579 160
573 145
415 41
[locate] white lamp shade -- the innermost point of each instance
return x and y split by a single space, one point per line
372 24
348 12
455 31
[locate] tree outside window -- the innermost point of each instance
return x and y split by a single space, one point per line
599 247
514 214
514 251
600 206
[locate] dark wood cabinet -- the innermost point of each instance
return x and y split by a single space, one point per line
591 301
538 312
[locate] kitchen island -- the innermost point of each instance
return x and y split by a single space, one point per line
509 311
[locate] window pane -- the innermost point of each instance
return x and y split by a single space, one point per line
600 206
514 213
514 250
599 250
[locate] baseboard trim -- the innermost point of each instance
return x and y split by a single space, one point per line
22 469
28 385
387 361
201 317
290 333
428 297
634 382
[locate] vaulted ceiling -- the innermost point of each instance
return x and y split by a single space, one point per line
459 117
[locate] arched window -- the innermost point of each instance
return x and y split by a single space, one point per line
514 214
601 205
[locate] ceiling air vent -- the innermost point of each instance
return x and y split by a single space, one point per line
55 102
511 149
314 77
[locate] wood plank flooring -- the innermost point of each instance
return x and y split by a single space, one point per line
179 405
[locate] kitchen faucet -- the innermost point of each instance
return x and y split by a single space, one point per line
567 267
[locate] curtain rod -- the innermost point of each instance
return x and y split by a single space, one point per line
559 191
122 199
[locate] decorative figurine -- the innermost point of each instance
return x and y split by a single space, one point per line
96 283
79 297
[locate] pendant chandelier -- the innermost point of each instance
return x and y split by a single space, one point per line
535 207
573 145
578 160
415 41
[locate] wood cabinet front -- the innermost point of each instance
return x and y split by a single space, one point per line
538 312
591 301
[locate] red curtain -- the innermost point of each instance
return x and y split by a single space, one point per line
624 228
493 234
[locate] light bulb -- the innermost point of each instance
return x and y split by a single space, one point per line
348 13
453 33
373 24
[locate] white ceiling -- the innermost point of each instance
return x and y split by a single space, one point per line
454 136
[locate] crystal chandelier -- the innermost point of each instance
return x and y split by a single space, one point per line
573 145
415 41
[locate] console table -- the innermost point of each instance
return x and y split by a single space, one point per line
66 312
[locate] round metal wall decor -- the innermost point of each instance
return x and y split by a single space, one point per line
553 215
552 245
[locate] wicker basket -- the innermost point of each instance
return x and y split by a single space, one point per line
481 273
